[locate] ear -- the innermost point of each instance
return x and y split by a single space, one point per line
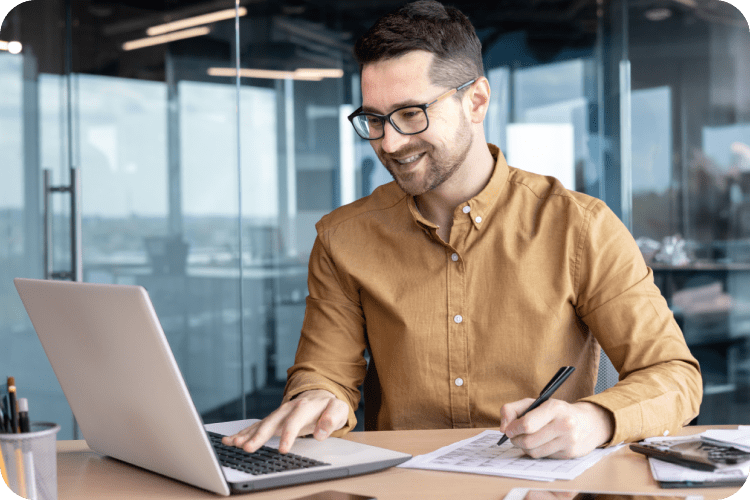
479 100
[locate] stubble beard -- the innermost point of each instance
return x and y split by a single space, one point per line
441 165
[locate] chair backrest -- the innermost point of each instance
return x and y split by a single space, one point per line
608 376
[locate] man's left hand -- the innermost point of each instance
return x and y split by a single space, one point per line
556 429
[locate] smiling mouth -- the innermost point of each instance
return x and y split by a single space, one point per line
410 159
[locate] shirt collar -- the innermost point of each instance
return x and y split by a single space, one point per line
478 207
481 205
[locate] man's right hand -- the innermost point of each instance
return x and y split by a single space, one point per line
316 412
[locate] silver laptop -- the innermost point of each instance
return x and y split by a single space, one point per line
113 362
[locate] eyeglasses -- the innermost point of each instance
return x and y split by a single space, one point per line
409 120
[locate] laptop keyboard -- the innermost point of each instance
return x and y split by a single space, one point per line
265 460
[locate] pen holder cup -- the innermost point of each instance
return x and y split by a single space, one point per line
30 461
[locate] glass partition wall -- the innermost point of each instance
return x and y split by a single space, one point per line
210 136
689 157
207 139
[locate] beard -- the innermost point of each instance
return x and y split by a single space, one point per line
440 163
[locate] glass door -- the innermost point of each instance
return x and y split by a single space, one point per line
116 94
34 121
203 169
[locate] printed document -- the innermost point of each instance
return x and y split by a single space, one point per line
481 455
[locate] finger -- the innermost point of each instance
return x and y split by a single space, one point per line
333 418
563 454
511 411
531 441
547 449
232 440
534 420
301 421
267 428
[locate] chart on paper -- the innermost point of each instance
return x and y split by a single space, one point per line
481 455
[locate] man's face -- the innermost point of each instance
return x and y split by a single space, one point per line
422 162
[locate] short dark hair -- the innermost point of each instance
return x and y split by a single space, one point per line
430 26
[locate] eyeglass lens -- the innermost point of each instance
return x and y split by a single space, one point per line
406 120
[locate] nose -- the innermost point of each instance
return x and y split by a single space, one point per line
392 140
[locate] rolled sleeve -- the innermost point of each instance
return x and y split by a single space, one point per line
330 354
660 387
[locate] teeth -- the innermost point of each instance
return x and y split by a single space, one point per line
409 160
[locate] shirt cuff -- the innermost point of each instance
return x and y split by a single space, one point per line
630 422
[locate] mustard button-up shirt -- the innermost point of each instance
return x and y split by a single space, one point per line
534 277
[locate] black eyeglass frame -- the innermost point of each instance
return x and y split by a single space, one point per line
423 107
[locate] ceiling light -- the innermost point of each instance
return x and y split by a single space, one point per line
658 14
195 21
171 37
309 74
12 47
251 73
319 72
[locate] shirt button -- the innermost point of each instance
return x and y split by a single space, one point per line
478 219
459 381
467 209
454 257
666 433
458 318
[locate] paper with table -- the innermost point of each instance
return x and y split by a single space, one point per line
481 455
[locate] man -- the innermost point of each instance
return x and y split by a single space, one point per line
471 282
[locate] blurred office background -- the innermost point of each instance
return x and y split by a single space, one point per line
208 149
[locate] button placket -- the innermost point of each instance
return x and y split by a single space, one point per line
457 328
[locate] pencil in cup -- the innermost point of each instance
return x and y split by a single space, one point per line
31 461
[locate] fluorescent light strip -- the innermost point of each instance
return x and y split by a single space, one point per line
260 73
195 21
309 74
171 37
320 73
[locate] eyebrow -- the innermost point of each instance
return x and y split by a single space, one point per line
402 104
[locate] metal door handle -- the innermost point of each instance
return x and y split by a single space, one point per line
76 255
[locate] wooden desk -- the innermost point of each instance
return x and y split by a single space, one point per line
83 474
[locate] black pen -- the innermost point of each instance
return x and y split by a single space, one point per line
549 389
23 415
